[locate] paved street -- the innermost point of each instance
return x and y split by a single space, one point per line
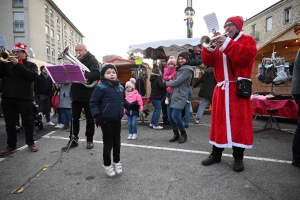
153 168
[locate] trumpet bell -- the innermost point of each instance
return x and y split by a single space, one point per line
205 41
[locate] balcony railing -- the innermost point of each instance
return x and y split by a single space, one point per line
47 17
48 38
48 58
53 60
52 41
58 44
19 26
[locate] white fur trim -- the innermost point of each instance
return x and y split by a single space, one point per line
226 42
230 146
227 106
239 35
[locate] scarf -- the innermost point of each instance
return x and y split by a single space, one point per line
130 93
111 82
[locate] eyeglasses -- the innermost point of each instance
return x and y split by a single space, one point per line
228 25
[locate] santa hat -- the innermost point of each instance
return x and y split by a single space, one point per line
172 60
20 47
130 83
237 20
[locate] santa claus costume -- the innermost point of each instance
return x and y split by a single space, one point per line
231 125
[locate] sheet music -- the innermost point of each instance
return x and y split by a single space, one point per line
211 22
3 42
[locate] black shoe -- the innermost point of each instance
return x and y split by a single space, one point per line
210 160
68 146
182 139
174 138
186 126
238 166
296 163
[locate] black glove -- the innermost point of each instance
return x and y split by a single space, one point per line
134 106
98 121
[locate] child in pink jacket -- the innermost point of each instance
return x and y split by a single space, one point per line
169 74
132 96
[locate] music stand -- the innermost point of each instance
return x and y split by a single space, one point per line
67 74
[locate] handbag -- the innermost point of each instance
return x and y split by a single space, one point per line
243 85
54 100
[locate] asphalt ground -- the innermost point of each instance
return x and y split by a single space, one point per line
153 168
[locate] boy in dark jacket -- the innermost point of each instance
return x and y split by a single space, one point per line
107 107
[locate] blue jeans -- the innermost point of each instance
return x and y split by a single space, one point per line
296 140
174 116
66 114
203 103
187 115
156 113
132 124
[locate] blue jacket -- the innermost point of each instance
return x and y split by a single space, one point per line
108 101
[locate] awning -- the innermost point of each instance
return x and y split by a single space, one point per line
170 47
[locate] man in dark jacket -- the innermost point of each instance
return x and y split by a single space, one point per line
208 82
80 97
42 91
17 96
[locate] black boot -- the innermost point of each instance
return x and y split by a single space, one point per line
238 165
165 120
183 137
175 137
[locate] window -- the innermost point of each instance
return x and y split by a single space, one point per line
57 20
19 22
52 52
48 50
18 3
46 9
19 39
58 37
269 24
287 15
253 29
66 44
47 30
51 14
52 33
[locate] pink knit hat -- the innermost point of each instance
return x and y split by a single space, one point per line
172 60
237 20
130 83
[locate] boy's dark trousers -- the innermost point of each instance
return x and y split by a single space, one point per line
111 133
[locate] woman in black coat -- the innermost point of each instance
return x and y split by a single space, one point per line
208 82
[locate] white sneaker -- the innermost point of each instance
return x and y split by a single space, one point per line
167 101
118 168
197 121
150 125
58 126
50 124
109 170
134 136
158 127
129 137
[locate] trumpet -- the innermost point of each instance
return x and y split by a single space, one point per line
5 55
68 56
207 42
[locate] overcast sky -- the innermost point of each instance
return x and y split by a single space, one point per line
110 26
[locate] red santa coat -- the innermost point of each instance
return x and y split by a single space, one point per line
231 115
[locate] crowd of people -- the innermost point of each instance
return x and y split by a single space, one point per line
105 103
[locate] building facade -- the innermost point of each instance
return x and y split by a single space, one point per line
41 25
277 28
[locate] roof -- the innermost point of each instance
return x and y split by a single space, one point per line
121 61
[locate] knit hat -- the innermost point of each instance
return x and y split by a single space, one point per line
172 60
105 66
130 83
237 20
155 70
185 55
20 47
